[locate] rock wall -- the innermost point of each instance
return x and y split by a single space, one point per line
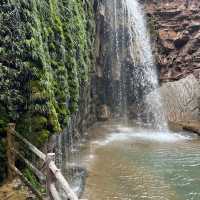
180 99
175 28
121 67
46 60
107 71
175 32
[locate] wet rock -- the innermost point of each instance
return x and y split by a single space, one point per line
193 126
168 13
168 45
104 113
181 99
167 34
194 27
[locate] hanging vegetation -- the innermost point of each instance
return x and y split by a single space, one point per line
45 56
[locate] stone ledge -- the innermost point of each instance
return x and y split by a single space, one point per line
193 126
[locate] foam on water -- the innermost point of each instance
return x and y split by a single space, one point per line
127 133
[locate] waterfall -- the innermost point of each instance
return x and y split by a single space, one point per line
129 69
145 73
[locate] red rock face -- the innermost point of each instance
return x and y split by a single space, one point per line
177 28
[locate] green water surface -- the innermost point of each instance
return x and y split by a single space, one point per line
127 165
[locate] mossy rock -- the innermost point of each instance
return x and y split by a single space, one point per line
45 59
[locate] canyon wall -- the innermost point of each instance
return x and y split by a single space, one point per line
175 32
180 99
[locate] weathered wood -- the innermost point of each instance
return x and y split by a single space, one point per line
38 173
32 147
53 173
54 192
26 181
63 183
50 176
10 154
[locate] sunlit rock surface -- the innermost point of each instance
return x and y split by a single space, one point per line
181 99
175 27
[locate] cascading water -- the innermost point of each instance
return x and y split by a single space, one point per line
129 68
145 72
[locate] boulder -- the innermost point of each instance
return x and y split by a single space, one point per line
192 126
104 113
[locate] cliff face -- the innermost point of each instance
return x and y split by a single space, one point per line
175 31
46 57
175 28
46 60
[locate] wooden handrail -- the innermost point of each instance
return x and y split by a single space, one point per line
63 183
54 192
37 172
39 195
34 149
9 154
53 173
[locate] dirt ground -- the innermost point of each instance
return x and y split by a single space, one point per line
9 192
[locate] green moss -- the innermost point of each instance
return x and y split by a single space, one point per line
39 122
42 136
33 180
3 125
45 57
153 26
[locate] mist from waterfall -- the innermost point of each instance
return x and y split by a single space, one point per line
132 63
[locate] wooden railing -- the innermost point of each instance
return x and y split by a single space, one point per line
51 176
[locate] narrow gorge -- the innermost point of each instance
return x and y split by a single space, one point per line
111 87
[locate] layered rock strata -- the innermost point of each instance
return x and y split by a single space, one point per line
175 28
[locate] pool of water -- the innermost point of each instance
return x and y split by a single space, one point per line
132 163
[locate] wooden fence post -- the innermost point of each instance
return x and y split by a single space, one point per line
50 179
10 153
